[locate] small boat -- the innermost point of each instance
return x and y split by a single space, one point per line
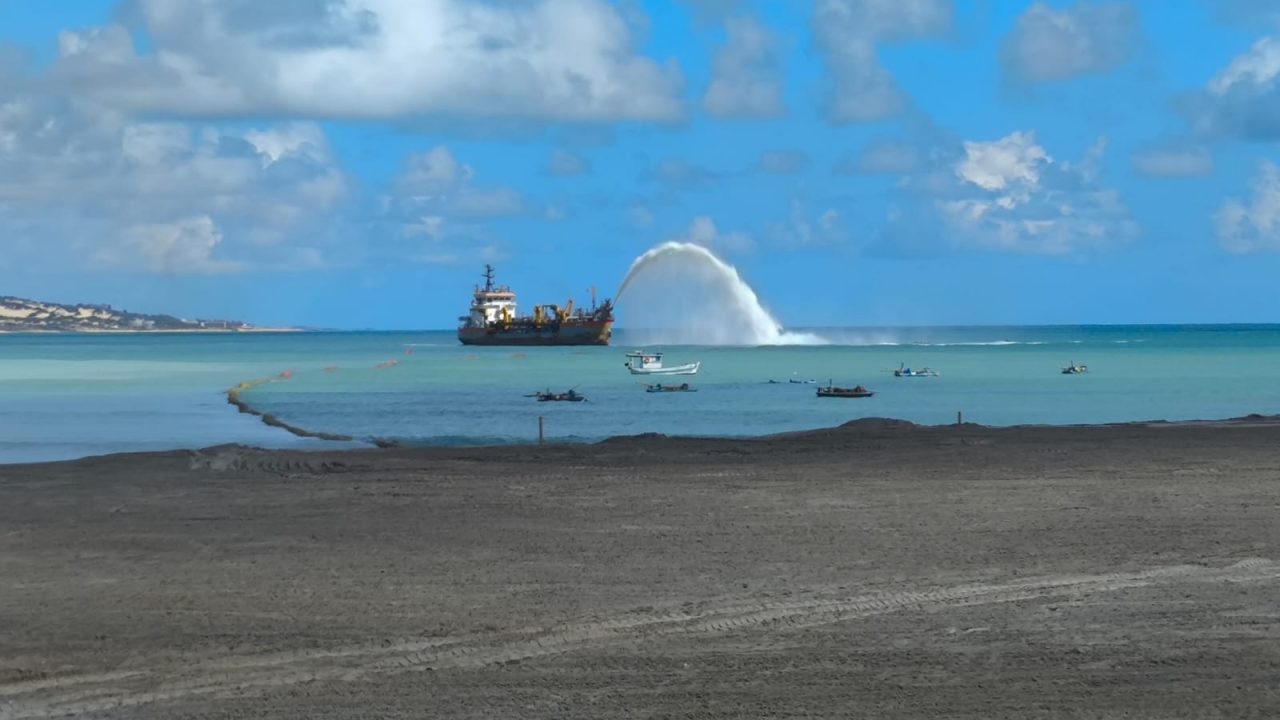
793 381
1074 369
570 396
650 363
856 391
908 372
682 387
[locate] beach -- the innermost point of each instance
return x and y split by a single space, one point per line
877 569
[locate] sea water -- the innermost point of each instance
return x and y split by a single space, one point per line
67 396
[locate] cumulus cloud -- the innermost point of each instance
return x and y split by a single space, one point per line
1253 225
1088 38
554 60
1172 161
782 162
1014 160
703 231
1011 195
436 188
438 211
182 247
81 187
746 75
1243 100
847 33
565 164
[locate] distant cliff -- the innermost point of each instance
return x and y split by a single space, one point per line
20 315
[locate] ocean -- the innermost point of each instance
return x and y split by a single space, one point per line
70 396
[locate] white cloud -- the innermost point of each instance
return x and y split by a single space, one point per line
847 32
1243 99
746 76
183 247
437 198
1088 38
81 188
703 231
431 226
1010 195
1253 225
1014 160
1256 68
435 183
433 172
564 164
1172 161
555 60
782 162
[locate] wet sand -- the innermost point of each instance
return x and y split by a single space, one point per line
874 570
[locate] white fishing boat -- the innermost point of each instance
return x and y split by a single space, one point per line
650 363
908 372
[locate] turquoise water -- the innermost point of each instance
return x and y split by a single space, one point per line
72 395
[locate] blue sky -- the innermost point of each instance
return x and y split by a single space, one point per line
353 163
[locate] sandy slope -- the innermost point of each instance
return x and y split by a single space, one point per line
873 570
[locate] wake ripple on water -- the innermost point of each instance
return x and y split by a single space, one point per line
680 293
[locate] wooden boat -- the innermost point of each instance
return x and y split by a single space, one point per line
659 387
1074 369
570 396
908 372
650 363
856 391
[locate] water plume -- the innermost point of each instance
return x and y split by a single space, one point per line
680 293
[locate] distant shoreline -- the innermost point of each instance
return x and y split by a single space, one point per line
167 331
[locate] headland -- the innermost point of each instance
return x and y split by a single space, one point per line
20 315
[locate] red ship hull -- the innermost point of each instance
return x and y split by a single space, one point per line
588 332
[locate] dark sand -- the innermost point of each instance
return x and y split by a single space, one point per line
868 571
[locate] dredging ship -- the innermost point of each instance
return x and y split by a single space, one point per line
494 320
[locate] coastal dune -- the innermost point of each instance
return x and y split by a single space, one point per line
878 569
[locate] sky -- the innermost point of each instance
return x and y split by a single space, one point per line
355 163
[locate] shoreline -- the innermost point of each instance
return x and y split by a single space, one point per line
903 571
879 427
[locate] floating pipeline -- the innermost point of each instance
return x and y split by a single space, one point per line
233 398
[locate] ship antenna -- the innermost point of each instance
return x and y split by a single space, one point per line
488 278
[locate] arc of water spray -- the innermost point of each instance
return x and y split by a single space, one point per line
740 299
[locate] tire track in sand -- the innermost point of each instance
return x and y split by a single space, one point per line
248 675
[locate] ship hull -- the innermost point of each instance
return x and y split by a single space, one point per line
591 333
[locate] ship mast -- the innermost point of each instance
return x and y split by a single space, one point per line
488 278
